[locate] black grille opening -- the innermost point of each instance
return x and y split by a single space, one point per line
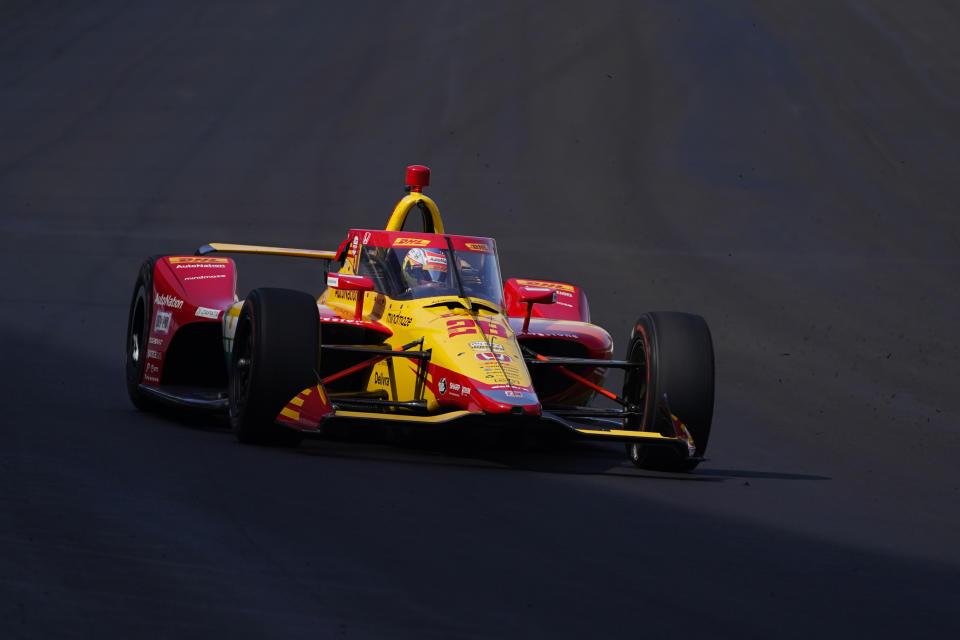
195 357
547 381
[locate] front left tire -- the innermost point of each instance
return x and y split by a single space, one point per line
138 333
275 356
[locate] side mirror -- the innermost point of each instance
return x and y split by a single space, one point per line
535 295
348 282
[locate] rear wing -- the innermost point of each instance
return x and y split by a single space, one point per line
272 251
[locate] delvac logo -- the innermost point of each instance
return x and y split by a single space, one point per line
167 300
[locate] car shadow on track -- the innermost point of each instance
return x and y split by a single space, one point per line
513 452
764 475
481 448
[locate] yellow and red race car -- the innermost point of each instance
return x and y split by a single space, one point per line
413 327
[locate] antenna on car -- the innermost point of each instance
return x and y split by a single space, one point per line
418 177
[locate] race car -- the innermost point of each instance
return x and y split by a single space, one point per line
417 328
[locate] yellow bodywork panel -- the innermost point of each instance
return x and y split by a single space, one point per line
480 345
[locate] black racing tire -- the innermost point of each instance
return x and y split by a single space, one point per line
138 332
275 356
676 351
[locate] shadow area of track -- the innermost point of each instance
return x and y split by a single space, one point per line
138 522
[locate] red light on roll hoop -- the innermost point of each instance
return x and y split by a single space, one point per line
418 177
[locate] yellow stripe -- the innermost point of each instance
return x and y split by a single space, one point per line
443 417
624 433
275 251
307 391
290 413
297 401
323 396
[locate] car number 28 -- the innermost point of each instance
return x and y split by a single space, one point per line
467 326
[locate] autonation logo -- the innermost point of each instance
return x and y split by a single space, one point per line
167 300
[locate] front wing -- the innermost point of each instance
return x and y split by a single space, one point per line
311 409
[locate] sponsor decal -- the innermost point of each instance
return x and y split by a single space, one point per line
486 346
477 246
162 323
156 341
167 300
442 386
151 378
333 281
380 379
353 254
559 286
342 320
488 356
400 319
344 295
512 394
454 387
366 237
222 275
153 355
429 259
204 312
202 265
411 242
465 390
435 261
152 368
197 260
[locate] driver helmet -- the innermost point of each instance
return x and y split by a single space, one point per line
424 266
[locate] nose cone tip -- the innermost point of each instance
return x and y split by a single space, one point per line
508 401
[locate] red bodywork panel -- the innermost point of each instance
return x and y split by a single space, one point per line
186 290
571 301
329 315
458 391
407 239
586 341
307 409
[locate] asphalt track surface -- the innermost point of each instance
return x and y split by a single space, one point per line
787 170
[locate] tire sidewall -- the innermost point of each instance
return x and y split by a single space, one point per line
686 378
278 332
142 295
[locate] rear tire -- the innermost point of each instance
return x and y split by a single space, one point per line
676 351
275 353
138 333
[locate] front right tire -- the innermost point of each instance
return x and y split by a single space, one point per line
275 356
674 354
